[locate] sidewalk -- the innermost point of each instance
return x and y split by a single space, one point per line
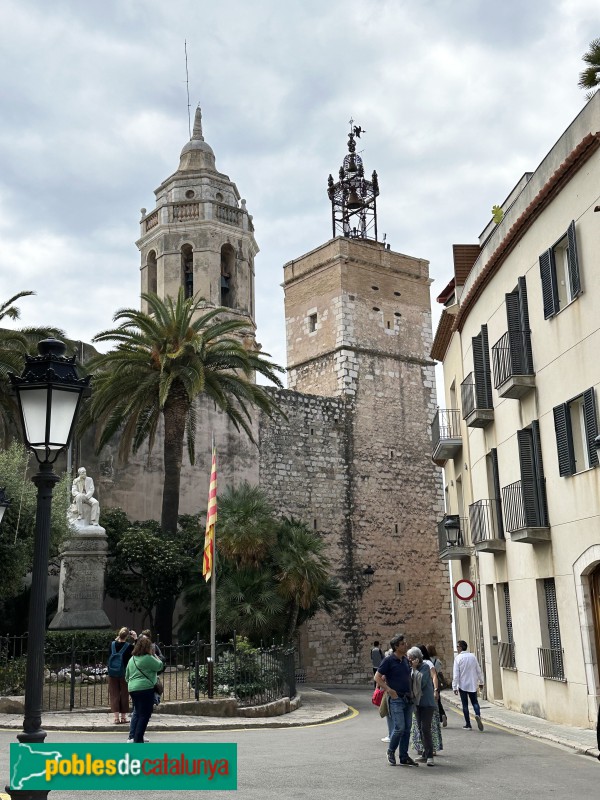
582 740
316 707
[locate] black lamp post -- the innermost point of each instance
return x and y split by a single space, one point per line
49 394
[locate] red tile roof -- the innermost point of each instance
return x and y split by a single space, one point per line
465 255
442 336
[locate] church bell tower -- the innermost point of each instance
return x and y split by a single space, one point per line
200 236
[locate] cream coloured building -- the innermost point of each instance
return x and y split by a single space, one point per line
519 339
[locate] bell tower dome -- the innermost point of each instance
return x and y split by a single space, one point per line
199 235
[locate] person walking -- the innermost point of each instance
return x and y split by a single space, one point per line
376 656
141 675
436 729
118 657
394 676
426 705
438 666
466 677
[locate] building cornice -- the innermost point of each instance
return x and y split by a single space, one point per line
422 362
442 337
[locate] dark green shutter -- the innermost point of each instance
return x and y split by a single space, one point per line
574 276
591 425
549 287
497 500
524 316
481 369
515 341
527 477
487 369
540 479
564 440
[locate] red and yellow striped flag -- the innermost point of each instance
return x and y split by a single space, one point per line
211 520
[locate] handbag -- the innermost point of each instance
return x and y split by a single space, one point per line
377 696
384 709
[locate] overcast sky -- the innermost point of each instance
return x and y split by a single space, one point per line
458 98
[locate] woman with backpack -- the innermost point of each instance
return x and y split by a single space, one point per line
119 654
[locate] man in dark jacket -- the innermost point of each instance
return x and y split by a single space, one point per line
394 677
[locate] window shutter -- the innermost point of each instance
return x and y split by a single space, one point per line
573 262
549 287
524 316
487 369
528 490
591 425
515 342
498 504
540 479
564 440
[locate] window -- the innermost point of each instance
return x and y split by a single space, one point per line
312 323
227 279
559 272
506 647
551 655
187 267
576 427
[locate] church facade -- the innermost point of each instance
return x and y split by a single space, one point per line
352 457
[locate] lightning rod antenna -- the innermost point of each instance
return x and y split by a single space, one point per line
187 86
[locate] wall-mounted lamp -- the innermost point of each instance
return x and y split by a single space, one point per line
452 528
364 579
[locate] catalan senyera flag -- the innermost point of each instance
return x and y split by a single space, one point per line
211 520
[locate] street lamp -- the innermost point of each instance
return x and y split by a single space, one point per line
49 394
368 573
452 528
4 503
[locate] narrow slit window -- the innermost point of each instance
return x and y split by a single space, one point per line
312 323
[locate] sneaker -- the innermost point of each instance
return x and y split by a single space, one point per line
467 727
430 762
444 720
385 739
130 741
391 758
408 762
479 723
421 759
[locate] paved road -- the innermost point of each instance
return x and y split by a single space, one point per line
345 760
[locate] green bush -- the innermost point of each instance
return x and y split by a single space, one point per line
242 672
12 676
60 642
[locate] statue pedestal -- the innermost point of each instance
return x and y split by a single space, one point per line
81 589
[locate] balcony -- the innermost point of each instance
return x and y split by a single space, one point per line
487 531
445 435
506 655
513 364
525 511
448 550
476 412
552 663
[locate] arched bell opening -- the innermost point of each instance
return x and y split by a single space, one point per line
187 270
227 276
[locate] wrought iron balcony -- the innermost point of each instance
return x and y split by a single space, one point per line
448 550
552 663
506 655
474 406
445 435
513 364
487 530
526 512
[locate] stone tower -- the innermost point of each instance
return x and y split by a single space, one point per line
200 235
358 327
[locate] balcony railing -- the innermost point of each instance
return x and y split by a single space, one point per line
513 364
525 510
445 434
476 410
487 529
451 552
506 655
552 663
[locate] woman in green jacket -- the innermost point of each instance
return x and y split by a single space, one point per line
141 676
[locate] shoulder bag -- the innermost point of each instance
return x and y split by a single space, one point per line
158 686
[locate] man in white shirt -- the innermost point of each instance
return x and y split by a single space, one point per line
466 677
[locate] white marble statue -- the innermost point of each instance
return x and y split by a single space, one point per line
83 495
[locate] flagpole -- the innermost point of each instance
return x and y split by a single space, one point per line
213 586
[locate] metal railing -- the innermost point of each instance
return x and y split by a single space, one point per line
524 505
485 518
462 534
552 663
78 678
506 655
511 355
445 425
468 395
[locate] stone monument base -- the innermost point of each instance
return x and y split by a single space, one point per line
81 588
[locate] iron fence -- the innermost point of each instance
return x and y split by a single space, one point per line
445 425
524 505
551 662
78 678
468 396
511 355
485 517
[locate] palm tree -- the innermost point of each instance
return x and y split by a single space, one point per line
163 361
14 346
590 77
247 526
